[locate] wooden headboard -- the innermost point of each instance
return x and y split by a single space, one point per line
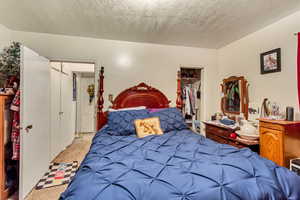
139 95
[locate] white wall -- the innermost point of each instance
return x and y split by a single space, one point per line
80 67
243 58
5 36
127 63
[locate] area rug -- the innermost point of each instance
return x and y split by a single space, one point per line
58 174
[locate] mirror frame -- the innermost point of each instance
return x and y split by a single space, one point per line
244 96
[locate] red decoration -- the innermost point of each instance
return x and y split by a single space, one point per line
179 99
101 118
298 68
233 135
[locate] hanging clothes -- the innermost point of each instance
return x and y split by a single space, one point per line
187 107
15 135
190 100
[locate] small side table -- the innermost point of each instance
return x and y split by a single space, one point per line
279 140
221 134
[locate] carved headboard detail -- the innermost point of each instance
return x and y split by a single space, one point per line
141 95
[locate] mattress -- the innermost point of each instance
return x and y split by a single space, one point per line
179 165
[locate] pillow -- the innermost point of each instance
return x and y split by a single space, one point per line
151 110
124 109
170 119
148 126
121 122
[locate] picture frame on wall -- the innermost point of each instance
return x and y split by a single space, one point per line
270 61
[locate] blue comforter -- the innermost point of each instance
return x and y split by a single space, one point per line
179 165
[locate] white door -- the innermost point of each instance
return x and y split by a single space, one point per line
68 110
87 107
35 112
56 142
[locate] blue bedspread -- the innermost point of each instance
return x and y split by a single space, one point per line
179 165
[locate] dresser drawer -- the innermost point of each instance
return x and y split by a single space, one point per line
271 126
217 131
216 138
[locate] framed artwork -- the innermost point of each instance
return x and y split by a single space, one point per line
270 61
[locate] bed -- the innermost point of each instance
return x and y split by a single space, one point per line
178 165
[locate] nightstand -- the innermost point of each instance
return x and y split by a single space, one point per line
279 140
221 134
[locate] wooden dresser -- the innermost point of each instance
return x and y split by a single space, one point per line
4 123
279 140
221 135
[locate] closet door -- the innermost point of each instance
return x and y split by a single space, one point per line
68 109
35 119
56 141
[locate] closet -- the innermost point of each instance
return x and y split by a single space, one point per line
190 81
63 107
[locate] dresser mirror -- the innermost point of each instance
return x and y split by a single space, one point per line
235 96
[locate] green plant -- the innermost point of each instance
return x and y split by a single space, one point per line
10 60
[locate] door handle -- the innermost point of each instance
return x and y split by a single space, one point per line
61 113
28 128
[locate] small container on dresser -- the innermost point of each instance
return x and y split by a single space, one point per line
279 140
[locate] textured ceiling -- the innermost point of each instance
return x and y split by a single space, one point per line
201 23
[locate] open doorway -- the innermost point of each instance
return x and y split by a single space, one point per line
86 97
192 92
72 102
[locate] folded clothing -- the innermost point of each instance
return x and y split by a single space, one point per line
227 121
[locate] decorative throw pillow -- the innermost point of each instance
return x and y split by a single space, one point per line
151 110
122 122
148 126
170 119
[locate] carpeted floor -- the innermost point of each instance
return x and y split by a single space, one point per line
75 152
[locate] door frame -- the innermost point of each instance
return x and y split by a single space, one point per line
97 66
203 107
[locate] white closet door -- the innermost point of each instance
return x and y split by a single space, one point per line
35 115
56 142
68 109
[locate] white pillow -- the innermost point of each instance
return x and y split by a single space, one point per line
124 109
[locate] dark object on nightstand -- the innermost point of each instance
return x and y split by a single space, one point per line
289 113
